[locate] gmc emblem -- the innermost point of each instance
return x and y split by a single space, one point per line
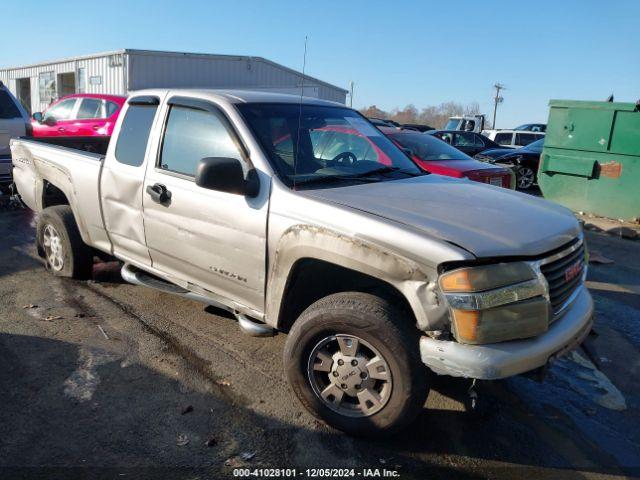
573 271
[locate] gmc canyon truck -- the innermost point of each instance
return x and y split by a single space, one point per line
298 215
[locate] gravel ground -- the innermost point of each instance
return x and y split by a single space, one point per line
101 379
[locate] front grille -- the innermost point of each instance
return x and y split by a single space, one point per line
564 274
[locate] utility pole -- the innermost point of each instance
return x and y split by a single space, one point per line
496 100
351 94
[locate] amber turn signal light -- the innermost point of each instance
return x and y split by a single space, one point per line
466 323
456 281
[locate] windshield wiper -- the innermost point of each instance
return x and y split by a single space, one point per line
386 169
360 177
331 178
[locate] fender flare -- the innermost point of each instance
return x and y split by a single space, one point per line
312 242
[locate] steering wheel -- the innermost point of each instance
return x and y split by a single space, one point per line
345 158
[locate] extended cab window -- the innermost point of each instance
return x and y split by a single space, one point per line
192 135
134 134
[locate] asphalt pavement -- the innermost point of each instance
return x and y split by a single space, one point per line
101 379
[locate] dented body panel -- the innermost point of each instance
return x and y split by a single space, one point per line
240 251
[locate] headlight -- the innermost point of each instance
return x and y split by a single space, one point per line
495 303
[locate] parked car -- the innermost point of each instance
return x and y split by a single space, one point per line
435 156
79 115
532 127
417 126
467 142
14 122
524 161
377 272
513 138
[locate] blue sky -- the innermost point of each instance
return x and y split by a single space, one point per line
396 52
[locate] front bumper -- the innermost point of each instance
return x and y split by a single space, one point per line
505 359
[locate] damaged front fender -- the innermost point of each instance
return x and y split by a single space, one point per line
298 242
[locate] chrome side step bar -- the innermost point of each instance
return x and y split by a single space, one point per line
248 325
254 328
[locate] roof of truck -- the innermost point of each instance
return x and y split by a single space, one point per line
242 96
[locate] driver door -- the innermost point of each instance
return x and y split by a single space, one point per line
209 241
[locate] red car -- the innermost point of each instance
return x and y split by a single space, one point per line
79 115
436 156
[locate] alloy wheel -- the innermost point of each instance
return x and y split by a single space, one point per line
526 177
52 243
349 375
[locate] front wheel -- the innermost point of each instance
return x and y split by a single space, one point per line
353 361
525 177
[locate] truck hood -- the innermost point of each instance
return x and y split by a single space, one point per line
484 220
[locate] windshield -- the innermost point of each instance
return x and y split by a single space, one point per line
452 124
308 142
427 147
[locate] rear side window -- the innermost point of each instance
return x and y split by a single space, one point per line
134 134
503 138
192 135
523 139
111 108
90 108
8 108
464 140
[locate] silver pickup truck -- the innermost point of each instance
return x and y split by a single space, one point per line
299 216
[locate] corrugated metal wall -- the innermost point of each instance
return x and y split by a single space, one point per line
106 71
145 69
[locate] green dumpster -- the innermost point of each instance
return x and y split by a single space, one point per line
591 158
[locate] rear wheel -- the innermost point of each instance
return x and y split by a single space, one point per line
525 177
60 244
353 361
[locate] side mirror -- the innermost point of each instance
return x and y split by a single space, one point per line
37 117
226 175
50 121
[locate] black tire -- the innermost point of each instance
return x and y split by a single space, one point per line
379 323
77 256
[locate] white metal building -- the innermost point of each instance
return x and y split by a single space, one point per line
123 71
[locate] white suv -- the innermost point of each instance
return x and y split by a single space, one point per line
513 138
14 122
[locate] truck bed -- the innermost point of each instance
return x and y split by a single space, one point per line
47 173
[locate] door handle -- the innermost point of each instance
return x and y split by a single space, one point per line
159 193
61 129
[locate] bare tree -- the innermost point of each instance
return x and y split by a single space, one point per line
435 116
374 112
